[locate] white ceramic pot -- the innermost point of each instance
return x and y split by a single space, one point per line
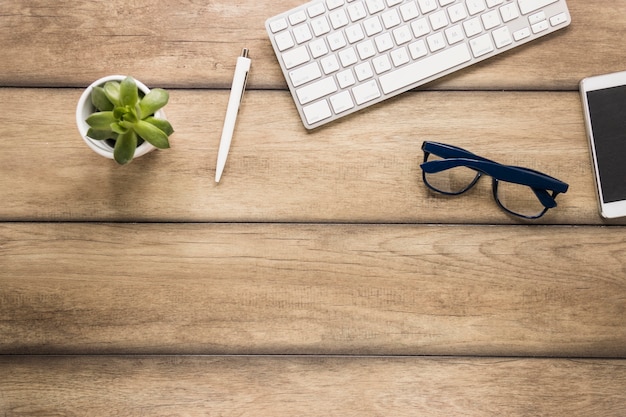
85 108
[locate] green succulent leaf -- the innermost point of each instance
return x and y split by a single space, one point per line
101 134
156 99
112 91
128 92
162 124
125 147
152 134
119 128
119 113
130 115
99 99
101 120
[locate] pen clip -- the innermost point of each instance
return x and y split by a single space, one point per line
245 82
244 54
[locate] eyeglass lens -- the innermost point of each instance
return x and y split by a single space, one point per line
451 181
519 199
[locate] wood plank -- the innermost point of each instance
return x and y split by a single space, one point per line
277 171
290 386
312 289
181 43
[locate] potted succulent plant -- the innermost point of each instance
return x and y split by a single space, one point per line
121 118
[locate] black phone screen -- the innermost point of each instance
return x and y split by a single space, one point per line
607 109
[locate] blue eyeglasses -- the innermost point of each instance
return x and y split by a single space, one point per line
519 191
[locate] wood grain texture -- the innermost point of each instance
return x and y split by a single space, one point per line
312 289
276 171
187 43
294 386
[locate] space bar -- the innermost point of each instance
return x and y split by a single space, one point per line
425 68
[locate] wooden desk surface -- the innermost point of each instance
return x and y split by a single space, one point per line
320 277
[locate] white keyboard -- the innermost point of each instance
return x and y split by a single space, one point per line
340 56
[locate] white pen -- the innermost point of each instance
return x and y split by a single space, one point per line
236 94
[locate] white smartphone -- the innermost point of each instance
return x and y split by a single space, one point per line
604 105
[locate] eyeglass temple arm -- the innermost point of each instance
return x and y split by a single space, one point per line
448 151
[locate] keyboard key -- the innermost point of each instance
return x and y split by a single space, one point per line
346 78
420 27
402 35
475 6
454 34
528 6
354 33
383 42
521 34
375 6
357 12
348 57
297 17
366 49
338 19
427 6
536 18
278 25
491 19
391 18
366 92
330 64
318 48
305 74
317 112
372 26
436 42
425 68
472 27
418 49
284 41
399 57
333 4
364 71
316 90
341 102
381 64
336 41
295 57
409 11
320 26
481 45
502 37
540 27
438 20
509 12
457 13
316 10
302 33
559 19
